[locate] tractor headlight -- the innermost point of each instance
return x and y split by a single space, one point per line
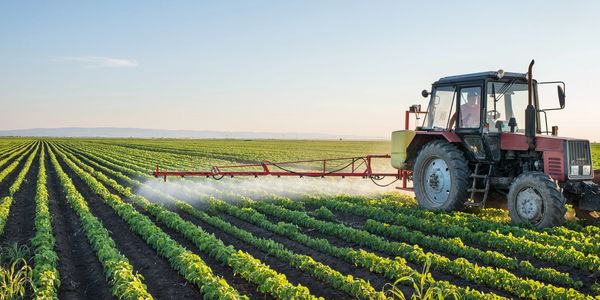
575 170
586 170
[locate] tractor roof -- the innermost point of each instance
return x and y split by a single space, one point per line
480 76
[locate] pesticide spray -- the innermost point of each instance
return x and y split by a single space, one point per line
190 189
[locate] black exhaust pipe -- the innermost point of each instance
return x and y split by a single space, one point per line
530 113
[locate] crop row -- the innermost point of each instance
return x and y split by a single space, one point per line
188 264
242 263
588 245
393 269
357 288
495 278
6 202
492 239
150 151
45 274
133 168
455 246
15 152
354 287
117 268
492 258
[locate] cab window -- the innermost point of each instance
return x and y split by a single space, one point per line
506 100
470 107
441 108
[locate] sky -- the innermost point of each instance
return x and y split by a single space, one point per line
337 67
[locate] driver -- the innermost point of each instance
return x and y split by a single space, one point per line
470 111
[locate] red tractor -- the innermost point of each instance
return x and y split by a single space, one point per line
482 134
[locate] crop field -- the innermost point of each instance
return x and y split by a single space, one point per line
85 219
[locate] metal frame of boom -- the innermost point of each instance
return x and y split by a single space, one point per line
360 166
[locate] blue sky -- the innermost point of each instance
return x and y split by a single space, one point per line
342 67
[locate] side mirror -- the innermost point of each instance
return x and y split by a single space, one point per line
561 96
425 93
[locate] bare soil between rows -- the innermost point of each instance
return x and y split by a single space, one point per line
437 275
20 224
218 268
377 281
355 221
81 274
163 282
293 275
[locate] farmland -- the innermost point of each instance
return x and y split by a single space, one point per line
84 219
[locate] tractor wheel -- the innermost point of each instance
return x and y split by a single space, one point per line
534 199
441 177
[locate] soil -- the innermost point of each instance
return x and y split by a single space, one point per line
240 284
20 224
437 275
10 178
293 275
377 281
577 274
162 281
236 282
81 274
585 277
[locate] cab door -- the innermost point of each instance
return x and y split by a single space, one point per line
469 125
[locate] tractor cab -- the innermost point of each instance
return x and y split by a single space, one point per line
486 102
481 137
478 107
478 102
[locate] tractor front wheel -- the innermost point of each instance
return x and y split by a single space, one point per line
534 199
441 177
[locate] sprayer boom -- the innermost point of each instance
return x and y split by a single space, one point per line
361 166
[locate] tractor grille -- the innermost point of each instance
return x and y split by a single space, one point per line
578 154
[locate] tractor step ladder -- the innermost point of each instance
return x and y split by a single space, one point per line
474 187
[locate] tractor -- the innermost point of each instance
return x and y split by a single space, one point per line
482 137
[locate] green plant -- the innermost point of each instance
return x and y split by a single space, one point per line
324 213
12 252
422 289
118 271
14 279
46 279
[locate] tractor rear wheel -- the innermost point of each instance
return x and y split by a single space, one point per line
441 177
534 199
